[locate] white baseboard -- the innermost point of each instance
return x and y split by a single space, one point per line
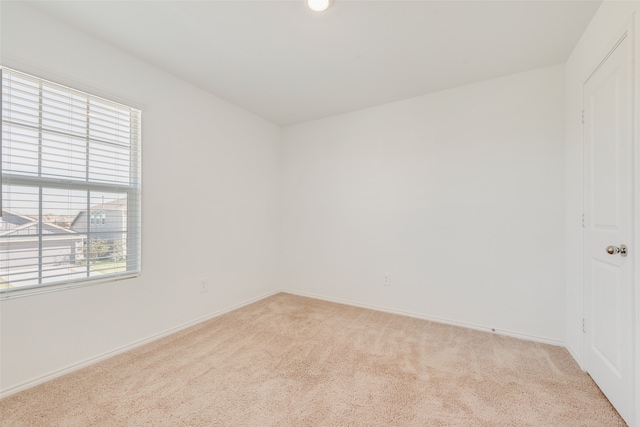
431 318
107 355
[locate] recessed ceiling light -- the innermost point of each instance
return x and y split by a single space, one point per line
318 5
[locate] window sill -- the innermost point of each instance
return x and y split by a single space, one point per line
8 294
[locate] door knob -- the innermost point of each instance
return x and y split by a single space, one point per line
613 250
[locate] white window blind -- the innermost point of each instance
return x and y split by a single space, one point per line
70 186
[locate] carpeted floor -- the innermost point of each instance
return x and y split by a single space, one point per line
294 361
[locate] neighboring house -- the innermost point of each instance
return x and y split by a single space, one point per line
20 242
106 222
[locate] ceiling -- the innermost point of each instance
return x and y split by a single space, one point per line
281 61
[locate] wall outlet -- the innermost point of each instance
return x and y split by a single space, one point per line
203 285
387 279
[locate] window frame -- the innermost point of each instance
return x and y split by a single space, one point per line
133 191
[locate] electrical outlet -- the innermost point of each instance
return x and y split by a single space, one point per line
203 285
387 279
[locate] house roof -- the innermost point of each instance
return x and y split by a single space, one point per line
26 218
32 223
114 205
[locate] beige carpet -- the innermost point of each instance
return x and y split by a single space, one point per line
294 361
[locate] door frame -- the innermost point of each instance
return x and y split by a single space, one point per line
633 35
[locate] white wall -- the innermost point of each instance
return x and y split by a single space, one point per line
211 180
605 29
459 195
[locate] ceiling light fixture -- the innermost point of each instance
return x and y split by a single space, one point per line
318 5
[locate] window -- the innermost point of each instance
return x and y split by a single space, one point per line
70 174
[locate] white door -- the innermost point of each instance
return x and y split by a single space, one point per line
608 203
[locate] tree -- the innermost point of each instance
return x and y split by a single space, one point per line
97 250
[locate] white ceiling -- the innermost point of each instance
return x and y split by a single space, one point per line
287 64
